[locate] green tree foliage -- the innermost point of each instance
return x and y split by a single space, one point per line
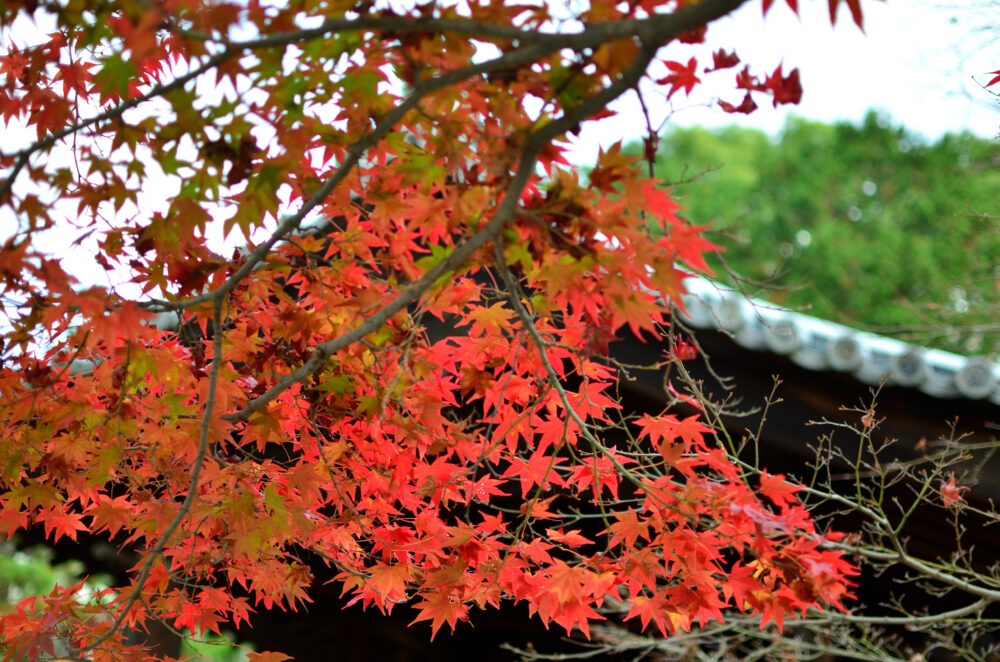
866 225
30 572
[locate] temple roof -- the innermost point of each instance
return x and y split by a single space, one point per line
818 344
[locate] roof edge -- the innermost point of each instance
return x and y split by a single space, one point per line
818 344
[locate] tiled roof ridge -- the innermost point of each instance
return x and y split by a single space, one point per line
819 344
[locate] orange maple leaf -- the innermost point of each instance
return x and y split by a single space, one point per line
777 489
440 608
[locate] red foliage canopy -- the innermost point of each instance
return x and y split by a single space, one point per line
416 391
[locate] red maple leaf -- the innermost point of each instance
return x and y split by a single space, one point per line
629 528
951 494
649 609
538 470
740 585
267 656
197 619
659 203
61 523
682 76
386 586
723 60
576 613
995 79
794 4
786 89
747 81
691 430
571 538
777 489
539 509
661 609
853 5
747 106
75 76
110 513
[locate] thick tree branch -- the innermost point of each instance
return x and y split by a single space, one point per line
504 214
354 154
664 32
655 30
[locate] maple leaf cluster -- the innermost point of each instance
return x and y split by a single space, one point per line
415 389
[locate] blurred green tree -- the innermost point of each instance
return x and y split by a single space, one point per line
31 572
866 225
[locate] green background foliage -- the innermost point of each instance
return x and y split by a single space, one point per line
865 225
32 572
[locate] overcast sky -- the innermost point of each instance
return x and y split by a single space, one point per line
918 62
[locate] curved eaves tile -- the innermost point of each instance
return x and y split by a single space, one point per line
818 344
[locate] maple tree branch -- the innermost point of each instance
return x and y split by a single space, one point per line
404 24
354 154
925 619
654 31
48 141
899 554
686 645
978 586
550 372
748 626
721 638
504 213
192 491
322 352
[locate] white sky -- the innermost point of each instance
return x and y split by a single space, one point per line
918 62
